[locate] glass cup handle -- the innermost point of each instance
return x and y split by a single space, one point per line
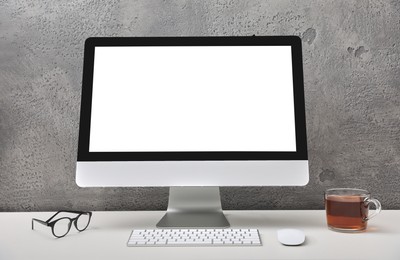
378 207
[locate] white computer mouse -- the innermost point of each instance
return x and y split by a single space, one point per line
291 237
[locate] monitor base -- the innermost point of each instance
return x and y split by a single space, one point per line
194 207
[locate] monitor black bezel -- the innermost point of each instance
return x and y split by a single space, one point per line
298 88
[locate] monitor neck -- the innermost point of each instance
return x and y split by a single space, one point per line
191 207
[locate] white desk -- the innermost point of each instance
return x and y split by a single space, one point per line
108 233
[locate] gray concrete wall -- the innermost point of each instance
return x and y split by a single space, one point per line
352 89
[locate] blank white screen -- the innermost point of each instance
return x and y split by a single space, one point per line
208 98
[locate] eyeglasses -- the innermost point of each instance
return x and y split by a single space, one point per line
61 226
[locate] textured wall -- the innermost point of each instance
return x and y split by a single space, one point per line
352 84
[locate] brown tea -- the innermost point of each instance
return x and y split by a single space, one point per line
346 212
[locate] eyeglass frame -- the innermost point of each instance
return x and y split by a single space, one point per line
51 224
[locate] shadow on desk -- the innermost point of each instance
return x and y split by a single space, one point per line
262 219
237 219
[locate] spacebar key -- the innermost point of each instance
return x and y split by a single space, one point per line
189 243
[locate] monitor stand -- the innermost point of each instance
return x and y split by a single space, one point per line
194 207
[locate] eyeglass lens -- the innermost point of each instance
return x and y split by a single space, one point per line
61 227
82 222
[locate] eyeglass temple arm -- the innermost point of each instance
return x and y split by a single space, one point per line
40 221
48 221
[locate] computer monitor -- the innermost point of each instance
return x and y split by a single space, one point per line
192 114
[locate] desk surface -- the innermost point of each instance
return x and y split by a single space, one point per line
108 233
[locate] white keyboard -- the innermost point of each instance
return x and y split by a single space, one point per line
194 237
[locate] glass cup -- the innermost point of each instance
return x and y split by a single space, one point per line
347 210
